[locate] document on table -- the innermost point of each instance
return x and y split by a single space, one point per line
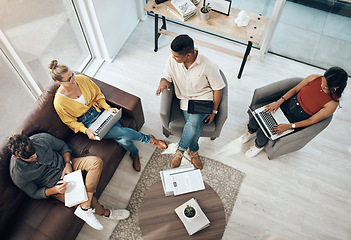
167 182
76 192
187 181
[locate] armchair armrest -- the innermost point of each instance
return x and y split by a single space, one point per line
295 140
272 92
223 108
165 106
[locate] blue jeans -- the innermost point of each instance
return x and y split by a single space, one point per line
123 136
191 131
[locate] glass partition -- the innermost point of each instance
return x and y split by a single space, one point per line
317 32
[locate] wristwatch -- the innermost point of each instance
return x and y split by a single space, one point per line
215 111
293 125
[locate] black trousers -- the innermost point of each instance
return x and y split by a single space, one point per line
292 110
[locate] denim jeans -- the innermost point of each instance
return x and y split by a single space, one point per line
191 131
122 135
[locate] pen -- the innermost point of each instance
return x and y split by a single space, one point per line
58 182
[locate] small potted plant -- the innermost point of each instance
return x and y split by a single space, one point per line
205 12
189 212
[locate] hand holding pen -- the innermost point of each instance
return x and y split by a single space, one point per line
61 186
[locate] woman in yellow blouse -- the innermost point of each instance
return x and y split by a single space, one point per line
79 102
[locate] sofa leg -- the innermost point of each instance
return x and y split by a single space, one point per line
213 138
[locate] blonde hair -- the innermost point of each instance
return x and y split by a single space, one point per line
57 70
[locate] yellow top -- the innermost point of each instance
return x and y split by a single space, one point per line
69 110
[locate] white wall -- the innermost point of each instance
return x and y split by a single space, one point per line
117 20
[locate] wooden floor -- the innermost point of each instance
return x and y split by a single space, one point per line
302 195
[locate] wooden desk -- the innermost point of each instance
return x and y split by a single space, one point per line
218 23
157 219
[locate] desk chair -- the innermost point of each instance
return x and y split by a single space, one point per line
173 120
300 137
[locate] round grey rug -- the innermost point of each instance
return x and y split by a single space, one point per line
223 179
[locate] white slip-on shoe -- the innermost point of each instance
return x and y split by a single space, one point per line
253 151
246 137
88 217
118 214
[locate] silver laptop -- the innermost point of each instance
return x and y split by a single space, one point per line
105 122
267 121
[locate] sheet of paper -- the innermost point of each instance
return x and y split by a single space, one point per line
167 182
187 181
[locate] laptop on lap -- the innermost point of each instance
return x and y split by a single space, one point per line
105 122
267 121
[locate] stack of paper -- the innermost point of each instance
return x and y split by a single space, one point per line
184 9
76 192
183 180
199 222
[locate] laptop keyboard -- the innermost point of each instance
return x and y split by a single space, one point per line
103 124
269 120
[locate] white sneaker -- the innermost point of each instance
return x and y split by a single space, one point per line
118 214
253 151
88 217
246 137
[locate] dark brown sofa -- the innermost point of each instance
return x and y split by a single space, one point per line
24 218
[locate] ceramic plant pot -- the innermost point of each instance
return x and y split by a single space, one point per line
205 16
189 212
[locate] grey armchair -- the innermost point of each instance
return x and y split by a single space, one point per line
173 120
296 140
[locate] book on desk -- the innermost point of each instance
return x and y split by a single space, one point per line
195 224
183 9
176 14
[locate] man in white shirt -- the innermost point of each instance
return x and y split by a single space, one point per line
194 78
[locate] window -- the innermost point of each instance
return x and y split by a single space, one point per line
42 30
16 99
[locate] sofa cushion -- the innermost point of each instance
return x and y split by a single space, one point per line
44 118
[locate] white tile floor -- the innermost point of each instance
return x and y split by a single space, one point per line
301 195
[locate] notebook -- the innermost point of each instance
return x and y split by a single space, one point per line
105 122
267 121
76 192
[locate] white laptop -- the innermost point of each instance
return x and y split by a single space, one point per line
105 122
267 121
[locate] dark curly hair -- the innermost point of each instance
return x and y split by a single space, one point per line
21 146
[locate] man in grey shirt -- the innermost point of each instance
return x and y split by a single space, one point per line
38 165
